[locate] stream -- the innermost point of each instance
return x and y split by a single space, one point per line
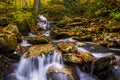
36 68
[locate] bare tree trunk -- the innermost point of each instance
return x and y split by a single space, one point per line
36 10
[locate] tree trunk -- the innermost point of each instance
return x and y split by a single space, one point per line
36 10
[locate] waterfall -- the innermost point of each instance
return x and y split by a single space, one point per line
43 23
25 43
83 75
35 68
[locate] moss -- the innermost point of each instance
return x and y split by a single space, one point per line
61 23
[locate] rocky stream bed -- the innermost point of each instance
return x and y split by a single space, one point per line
73 49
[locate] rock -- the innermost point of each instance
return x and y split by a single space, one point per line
78 58
37 40
95 48
87 57
103 63
61 23
67 73
8 41
77 24
59 33
79 19
14 29
6 66
68 19
39 50
83 38
72 58
67 47
80 44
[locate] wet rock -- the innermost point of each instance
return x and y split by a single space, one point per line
103 63
39 50
95 48
67 47
37 40
8 41
78 58
72 58
80 44
6 67
67 73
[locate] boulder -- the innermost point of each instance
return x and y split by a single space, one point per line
72 58
103 63
61 23
37 40
78 58
39 50
8 41
67 73
67 47
14 29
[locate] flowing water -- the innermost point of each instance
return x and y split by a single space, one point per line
25 43
35 68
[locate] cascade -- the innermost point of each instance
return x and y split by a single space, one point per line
25 43
43 23
35 68
83 75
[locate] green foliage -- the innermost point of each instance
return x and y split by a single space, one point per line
23 19
53 11
115 15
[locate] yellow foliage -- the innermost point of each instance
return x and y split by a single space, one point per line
58 7
90 1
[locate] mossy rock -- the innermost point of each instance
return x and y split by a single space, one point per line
39 50
8 41
61 23
38 40
14 29
68 19
72 58
59 34
77 24
67 72
67 47
78 58
104 62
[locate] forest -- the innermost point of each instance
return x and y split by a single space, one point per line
59 39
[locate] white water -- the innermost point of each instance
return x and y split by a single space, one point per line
31 35
46 33
43 23
25 43
65 40
83 75
97 55
35 68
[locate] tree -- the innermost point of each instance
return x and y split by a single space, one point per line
36 10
